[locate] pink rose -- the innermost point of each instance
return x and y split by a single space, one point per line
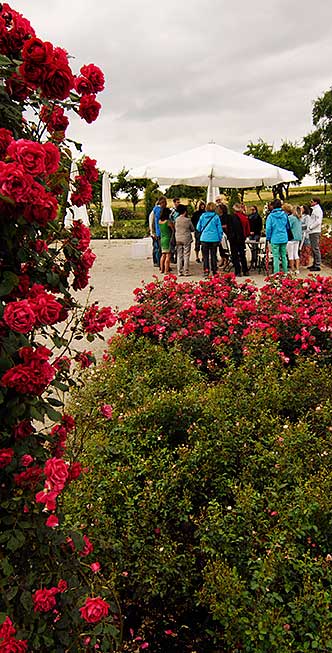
6 457
88 547
19 316
26 460
95 567
52 521
56 472
94 610
107 411
62 585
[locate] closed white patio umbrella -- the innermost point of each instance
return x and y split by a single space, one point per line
212 165
107 218
74 212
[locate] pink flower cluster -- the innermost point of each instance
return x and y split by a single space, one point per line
203 317
8 643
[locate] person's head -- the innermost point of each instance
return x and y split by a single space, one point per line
176 202
276 204
182 209
218 200
314 201
201 206
305 209
288 208
296 211
237 208
162 202
223 209
211 206
253 209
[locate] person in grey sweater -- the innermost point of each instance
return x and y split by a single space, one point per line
184 229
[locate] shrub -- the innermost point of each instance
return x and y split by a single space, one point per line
211 502
50 598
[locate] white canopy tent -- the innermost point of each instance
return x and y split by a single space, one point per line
107 218
212 165
74 212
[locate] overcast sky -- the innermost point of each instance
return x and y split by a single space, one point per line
180 74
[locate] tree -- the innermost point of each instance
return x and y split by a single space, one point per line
290 156
129 186
318 144
150 196
194 193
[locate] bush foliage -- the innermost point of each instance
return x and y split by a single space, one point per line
211 501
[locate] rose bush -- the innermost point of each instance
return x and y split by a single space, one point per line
45 567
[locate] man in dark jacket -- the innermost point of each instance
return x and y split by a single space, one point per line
237 233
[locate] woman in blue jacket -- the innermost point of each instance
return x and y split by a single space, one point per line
210 229
276 234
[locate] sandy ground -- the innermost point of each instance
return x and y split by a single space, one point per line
122 265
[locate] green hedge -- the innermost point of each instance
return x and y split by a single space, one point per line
211 503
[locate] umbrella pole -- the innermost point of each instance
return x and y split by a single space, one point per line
108 232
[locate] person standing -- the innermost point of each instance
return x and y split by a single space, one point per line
173 216
255 223
184 229
210 229
293 245
156 253
195 217
305 249
238 231
166 227
276 233
314 231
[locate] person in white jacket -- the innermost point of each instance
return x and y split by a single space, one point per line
314 231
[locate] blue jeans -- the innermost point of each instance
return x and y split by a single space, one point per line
279 250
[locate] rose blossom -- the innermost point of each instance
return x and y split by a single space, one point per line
107 411
44 599
6 457
37 51
29 154
95 567
6 138
23 429
47 309
52 521
15 183
58 79
7 629
94 610
88 547
56 471
26 460
52 160
19 316
89 108
55 118
43 209
47 498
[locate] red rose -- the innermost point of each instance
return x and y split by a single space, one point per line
15 183
29 478
47 498
83 193
88 547
85 359
14 646
87 259
30 154
19 316
17 88
95 567
18 29
46 308
94 610
52 157
81 233
83 86
26 460
6 457
37 51
32 73
52 521
44 599
59 79
107 411
75 471
43 210
89 108
23 429
95 76
6 138
34 375
56 472
62 585
55 118
89 169
7 629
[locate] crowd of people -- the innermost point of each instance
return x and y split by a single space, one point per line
220 236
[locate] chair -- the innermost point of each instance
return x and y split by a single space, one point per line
264 257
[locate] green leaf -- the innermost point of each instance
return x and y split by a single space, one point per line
9 281
5 61
54 415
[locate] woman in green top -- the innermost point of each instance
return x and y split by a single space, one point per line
166 227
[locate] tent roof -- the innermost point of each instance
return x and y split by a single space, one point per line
213 164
